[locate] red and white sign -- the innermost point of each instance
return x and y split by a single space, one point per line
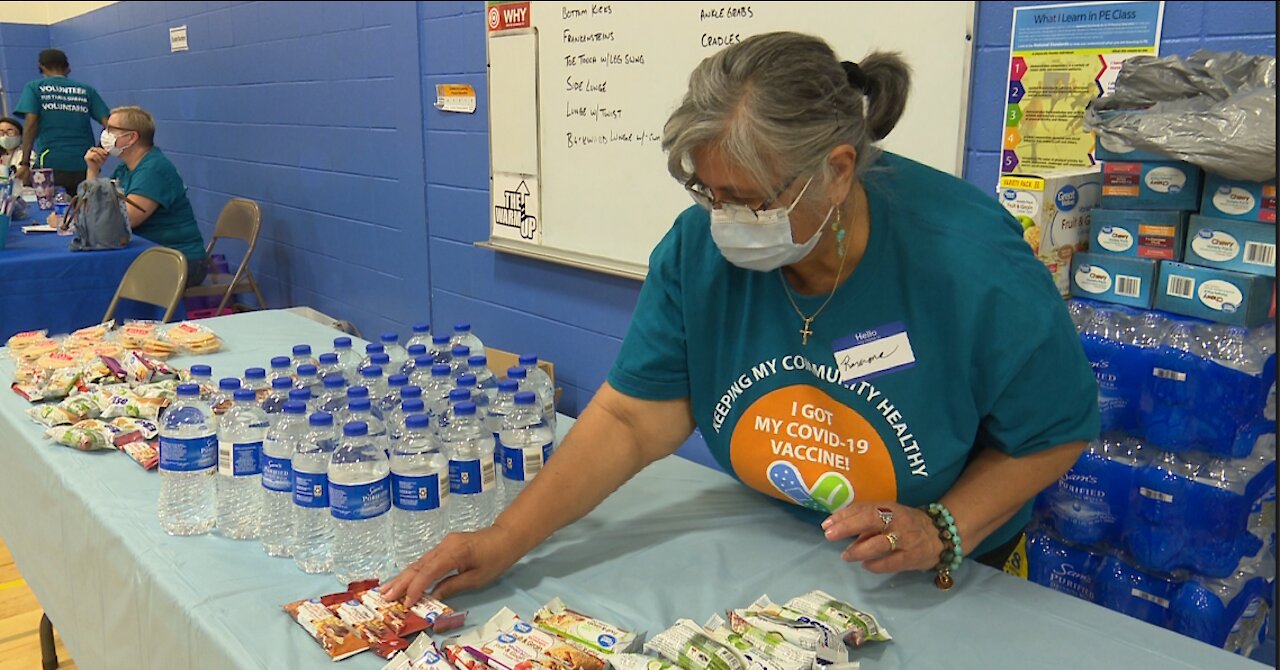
508 16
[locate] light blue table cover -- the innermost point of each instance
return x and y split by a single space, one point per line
680 540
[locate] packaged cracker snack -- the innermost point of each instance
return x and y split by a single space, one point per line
81 407
88 435
857 627
337 639
143 453
28 374
29 392
584 630
688 645
825 641
25 339
507 643
158 349
193 338
92 334
58 360
639 662
135 333
35 350
51 415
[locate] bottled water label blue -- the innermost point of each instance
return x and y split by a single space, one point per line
311 489
358 502
189 454
471 477
239 459
277 474
417 494
522 463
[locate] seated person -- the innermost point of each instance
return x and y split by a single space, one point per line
10 144
158 208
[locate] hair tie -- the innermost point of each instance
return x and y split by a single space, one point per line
857 78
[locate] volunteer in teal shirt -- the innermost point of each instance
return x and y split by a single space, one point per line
58 112
156 197
853 333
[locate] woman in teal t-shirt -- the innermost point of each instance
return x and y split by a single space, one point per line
853 333
157 206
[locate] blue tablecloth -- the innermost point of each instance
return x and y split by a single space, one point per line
679 540
43 284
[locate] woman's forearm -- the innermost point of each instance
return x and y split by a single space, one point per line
995 486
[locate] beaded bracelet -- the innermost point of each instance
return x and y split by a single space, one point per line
952 550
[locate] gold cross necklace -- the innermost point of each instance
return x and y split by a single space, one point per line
805 332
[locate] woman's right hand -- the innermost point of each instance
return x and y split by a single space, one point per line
473 559
95 157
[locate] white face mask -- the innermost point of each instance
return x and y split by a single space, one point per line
108 141
760 241
11 142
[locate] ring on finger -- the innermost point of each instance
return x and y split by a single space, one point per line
893 541
886 517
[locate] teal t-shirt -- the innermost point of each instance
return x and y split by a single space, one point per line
173 224
65 107
951 334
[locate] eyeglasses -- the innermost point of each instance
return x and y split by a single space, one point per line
705 197
123 130
10 132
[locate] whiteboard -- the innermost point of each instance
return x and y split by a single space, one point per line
608 74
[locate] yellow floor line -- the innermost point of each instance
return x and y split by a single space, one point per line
5 586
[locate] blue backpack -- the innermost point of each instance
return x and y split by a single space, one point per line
98 217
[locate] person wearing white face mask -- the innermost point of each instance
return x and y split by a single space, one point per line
156 197
855 335
10 143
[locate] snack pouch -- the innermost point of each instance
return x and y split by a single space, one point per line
338 639
28 392
801 631
857 627
81 406
51 415
589 632
146 429
688 645
639 662
130 405
88 435
753 657
506 642
790 656
61 383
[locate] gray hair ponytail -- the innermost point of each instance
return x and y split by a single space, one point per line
776 104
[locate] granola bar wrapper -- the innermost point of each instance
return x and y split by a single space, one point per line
640 662
857 627
440 616
506 642
421 655
688 645
756 657
90 435
368 623
398 618
338 639
142 452
824 640
591 633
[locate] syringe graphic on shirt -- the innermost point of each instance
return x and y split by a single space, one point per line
831 492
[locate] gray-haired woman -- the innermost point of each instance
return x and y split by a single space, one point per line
852 332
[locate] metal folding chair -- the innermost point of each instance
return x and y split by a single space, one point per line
241 219
157 277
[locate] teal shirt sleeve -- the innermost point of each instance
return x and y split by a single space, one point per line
653 362
155 184
1038 390
29 102
97 108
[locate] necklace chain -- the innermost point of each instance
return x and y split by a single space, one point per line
805 332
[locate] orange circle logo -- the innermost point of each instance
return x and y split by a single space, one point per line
801 445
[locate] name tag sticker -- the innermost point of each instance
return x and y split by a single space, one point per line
874 353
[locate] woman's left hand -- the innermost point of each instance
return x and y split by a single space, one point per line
915 544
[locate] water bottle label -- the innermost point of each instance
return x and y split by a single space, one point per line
416 494
1143 595
311 489
520 464
189 454
471 477
358 502
277 474
1154 495
239 459
1171 375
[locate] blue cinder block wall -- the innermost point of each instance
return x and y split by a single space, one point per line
20 46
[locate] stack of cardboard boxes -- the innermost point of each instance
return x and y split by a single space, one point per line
1156 241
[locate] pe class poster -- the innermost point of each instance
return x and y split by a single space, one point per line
1063 56
516 208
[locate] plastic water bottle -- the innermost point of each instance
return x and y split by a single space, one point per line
369 350
444 418
308 378
525 441
256 379
273 404
188 461
416 352
486 381
458 357
1081 312
329 365
1139 593
348 358
1061 566
541 384
202 376
504 402
304 396
396 427
435 391
1088 505
422 371
471 474
359 410
312 523
441 350
241 432
421 335
1158 532
391 346
1179 366
281 368
343 415
462 335
221 400
391 399
1102 339
467 381
277 478
302 356
359 500
420 487
61 203
333 395
372 379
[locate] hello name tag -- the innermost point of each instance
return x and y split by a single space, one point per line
874 353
